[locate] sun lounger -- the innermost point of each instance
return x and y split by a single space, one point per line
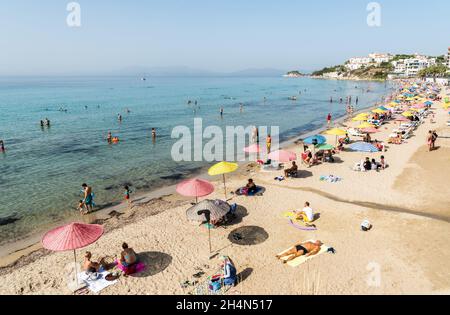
355 133
302 259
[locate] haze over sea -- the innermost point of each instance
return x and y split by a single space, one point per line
43 168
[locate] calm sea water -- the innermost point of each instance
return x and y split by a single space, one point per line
42 169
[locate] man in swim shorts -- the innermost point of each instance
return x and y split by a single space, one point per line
88 202
301 249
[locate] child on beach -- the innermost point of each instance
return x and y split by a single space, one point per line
127 194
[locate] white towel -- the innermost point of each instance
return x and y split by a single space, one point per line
96 285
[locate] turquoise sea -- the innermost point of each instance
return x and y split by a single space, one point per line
43 168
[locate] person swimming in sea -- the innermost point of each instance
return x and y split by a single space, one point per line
2 146
109 137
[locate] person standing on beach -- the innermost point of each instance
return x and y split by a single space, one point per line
329 119
268 143
127 194
434 137
88 199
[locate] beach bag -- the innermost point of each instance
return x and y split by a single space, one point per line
214 284
365 225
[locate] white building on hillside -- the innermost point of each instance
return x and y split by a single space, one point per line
414 65
358 62
380 58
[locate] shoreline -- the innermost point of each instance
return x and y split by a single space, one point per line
12 252
342 206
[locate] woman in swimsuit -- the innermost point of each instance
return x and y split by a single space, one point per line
302 249
128 256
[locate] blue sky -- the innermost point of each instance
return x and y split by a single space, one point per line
216 35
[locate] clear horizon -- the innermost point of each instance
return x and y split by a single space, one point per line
219 37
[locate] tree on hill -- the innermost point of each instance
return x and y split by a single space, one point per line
433 71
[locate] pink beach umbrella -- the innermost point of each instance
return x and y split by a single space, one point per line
402 118
254 148
195 188
418 106
72 237
282 156
370 130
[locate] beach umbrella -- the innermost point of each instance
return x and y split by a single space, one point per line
407 114
378 111
365 125
317 139
282 156
383 108
254 148
363 147
401 118
418 106
207 211
428 103
223 168
361 118
195 188
336 132
72 237
324 146
370 130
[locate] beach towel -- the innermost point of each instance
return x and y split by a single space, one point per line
243 191
296 223
330 179
133 269
302 259
95 285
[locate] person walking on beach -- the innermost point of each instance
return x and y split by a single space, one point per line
88 198
329 119
430 140
268 143
433 139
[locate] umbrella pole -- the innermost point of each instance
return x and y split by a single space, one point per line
75 259
209 238
224 187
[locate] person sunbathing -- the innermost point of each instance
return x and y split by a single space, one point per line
301 249
292 170
92 266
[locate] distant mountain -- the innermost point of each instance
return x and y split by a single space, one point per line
183 71
255 72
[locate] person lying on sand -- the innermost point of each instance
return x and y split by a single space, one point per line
292 170
301 249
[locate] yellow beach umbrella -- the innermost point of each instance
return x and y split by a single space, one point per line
336 132
223 168
362 118
365 125
414 109
393 104
408 114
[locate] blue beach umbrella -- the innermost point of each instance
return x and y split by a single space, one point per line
317 139
383 108
363 147
428 103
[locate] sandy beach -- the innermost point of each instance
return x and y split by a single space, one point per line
407 248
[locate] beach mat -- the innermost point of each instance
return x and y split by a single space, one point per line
302 259
298 224
96 285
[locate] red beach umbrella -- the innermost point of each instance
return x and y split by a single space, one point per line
195 188
282 156
72 237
